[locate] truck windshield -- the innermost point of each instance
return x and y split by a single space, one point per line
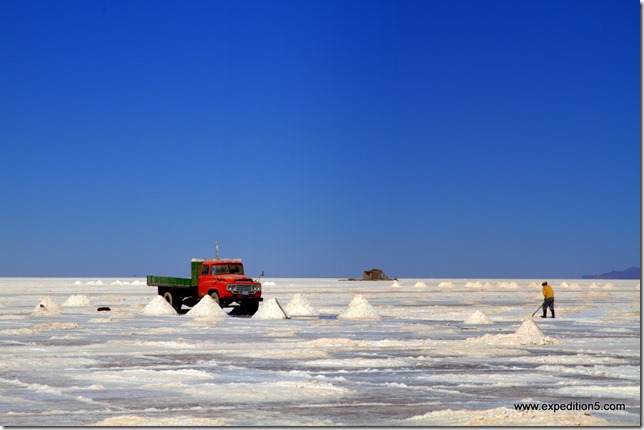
223 269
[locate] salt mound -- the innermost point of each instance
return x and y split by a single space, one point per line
446 285
159 306
395 285
359 309
609 286
529 328
78 283
478 317
207 308
421 285
138 283
300 307
77 300
47 307
270 310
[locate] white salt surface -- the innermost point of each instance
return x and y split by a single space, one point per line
270 310
77 300
299 306
159 306
359 309
207 308
415 366
478 317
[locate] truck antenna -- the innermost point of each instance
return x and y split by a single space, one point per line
216 251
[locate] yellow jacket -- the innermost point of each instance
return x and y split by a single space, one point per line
548 293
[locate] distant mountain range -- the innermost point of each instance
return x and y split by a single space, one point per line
630 273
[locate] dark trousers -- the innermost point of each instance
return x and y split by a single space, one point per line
549 303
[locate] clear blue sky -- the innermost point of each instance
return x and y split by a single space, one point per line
319 138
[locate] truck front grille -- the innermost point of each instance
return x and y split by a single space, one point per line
242 288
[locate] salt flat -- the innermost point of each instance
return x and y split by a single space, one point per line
427 352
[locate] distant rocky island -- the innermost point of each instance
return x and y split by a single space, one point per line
630 273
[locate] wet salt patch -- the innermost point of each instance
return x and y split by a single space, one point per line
586 359
359 309
300 307
506 417
268 391
77 300
598 391
47 307
420 285
367 363
478 317
207 308
159 306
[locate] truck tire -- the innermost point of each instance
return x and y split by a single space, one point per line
250 307
173 299
215 297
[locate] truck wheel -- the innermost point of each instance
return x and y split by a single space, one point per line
174 300
250 307
215 297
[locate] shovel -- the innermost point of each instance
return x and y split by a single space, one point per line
538 309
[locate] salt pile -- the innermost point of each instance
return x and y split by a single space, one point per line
207 308
47 307
529 329
359 309
78 283
609 286
421 285
446 284
270 310
300 307
395 285
77 300
159 306
478 317
99 282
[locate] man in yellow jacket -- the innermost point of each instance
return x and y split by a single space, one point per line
548 299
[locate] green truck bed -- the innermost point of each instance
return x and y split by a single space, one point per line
166 281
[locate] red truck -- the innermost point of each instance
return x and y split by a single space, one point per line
221 279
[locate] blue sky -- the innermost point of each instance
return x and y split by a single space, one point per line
320 138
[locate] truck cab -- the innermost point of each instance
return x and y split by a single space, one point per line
225 282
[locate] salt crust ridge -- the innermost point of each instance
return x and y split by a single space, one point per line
359 309
207 308
270 310
159 306
300 307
